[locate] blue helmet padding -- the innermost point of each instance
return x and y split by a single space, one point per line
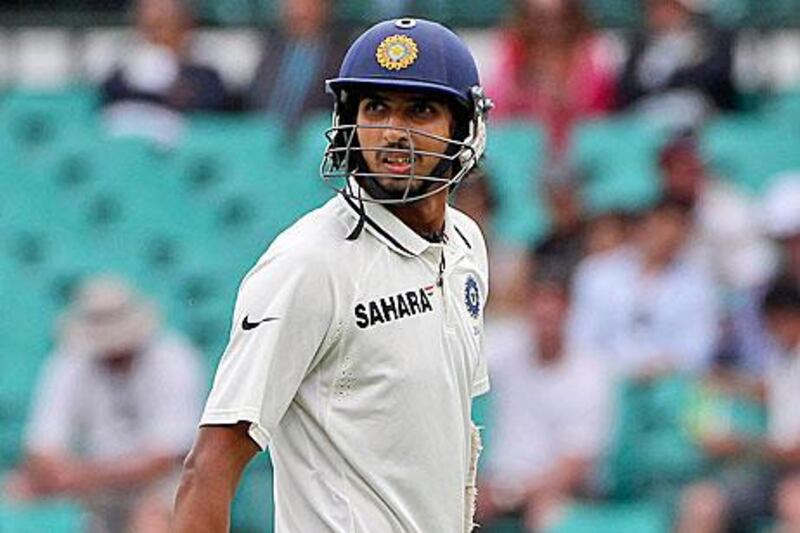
444 63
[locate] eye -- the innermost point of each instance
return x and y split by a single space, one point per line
423 109
374 106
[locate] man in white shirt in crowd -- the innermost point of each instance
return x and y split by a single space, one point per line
114 412
728 235
779 212
551 415
650 307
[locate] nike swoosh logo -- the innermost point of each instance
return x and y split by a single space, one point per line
247 325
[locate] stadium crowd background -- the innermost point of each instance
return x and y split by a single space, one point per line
641 153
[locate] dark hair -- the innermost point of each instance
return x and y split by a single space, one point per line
782 295
682 141
671 203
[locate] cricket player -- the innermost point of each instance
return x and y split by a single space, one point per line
355 349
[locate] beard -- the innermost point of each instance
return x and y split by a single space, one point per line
394 188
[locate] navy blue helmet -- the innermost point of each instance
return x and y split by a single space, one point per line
412 55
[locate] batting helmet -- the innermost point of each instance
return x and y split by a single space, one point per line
412 55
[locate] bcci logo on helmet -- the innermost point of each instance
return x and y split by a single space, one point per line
397 52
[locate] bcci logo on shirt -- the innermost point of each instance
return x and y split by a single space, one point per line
472 297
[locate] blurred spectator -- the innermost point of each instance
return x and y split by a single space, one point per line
573 234
782 314
159 78
114 413
605 232
385 9
650 305
727 422
780 218
781 215
551 419
508 263
296 60
679 68
728 234
563 247
553 68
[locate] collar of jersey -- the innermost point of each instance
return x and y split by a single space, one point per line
385 226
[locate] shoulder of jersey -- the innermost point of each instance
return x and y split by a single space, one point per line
319 233
469 228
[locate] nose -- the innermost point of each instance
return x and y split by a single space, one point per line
395 131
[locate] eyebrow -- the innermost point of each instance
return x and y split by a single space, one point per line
416 99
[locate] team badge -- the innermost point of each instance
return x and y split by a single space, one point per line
397 52
472 297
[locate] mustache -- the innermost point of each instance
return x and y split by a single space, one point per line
401 147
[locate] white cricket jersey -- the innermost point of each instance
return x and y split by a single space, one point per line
357 366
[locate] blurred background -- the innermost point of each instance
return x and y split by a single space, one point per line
640 199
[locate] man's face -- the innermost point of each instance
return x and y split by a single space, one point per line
784 326
683 174
667 15
398 111
549 307
305 18
663 233
162 22
790 247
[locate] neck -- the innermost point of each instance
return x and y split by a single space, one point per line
550 349
425 217
656 263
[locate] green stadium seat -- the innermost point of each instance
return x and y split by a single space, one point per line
52 516
652 453
733 13
773 13
219 156
514 157
463 13
120 199
357 10
784 106
620 518
32 121
482 416
614 13
253 508
617 157
23 345
504 525
750 150
238 11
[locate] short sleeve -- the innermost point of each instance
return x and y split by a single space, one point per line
55 404
282 325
